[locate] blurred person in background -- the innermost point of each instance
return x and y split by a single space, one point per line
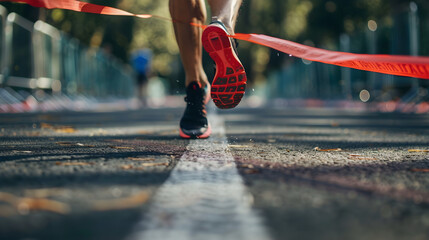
141 60
230 79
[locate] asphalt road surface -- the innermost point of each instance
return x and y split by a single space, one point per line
265 174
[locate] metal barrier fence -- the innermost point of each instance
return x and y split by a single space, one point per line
38 60
304 79
3 15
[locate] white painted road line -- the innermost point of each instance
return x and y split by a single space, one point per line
204 197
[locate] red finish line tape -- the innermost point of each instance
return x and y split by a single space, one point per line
408 66
79 6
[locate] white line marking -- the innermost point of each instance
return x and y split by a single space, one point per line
204 197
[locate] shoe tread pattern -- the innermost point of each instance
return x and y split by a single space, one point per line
229 83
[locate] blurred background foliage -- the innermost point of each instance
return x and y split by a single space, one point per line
316 23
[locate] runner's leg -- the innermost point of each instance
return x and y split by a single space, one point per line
225 11
189 37
229 84
194 123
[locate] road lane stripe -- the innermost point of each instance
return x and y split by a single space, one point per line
204 197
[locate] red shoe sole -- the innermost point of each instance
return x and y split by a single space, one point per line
230 80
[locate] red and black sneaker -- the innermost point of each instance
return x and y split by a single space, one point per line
194 122
229 83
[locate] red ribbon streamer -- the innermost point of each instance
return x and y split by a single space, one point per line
79 6
409 66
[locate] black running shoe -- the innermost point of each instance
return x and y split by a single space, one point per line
194 122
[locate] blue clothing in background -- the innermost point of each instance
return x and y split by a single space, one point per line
140 60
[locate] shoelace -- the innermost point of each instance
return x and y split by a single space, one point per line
196 104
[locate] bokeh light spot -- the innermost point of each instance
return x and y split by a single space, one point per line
364 95
372 25
57 15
